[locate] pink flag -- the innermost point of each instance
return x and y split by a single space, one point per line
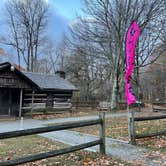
131 40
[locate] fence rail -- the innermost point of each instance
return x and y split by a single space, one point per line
158 106
134 136
26 132
149 118
100 141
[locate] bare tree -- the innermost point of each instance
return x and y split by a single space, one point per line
153 80
27 20
86 73
105 26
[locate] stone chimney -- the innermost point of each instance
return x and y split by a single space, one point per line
61 74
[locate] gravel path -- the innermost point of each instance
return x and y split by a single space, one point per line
113 147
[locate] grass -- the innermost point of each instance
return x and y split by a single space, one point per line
117 128
23 146
150 126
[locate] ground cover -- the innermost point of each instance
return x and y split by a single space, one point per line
74 113
22 146
117 128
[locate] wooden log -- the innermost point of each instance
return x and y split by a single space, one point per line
10 103
133 141
102 132
64 126
158 109
35 99
53 153
150 134
20 108
131 126
30 94
149 118
159 103
32 100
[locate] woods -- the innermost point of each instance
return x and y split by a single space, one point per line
92 53
99 39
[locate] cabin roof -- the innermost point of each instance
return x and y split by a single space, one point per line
43 81
50 81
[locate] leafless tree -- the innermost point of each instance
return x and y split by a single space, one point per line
153 80
104 28
86 73
27 20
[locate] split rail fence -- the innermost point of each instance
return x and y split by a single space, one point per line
158 106
134 136
101 141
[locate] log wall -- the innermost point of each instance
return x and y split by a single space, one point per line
9 79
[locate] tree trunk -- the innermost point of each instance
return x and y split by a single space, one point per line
115 87
114 94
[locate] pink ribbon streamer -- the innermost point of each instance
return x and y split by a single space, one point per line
131 40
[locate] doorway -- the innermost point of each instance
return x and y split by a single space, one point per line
9 101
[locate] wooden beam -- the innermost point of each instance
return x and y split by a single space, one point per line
32 100
10 102
150 134
20 108
131 125
30 94
150 118
53 153
39 130
102 133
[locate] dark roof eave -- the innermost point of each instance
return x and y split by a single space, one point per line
52 89
34 85
29 80
7 64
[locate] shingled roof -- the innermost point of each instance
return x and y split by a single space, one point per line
42 81
50 81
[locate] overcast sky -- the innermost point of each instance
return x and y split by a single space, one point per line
63 12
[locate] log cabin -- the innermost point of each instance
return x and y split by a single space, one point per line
21 91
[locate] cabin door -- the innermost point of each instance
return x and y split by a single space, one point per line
9 102
15 100
4 102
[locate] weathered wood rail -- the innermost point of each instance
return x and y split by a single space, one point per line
78 104
101 141
135 136
158 106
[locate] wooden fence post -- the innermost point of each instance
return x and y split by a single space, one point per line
131 126
102 132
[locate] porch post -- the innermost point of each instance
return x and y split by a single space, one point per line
10 102
32 101
20 109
